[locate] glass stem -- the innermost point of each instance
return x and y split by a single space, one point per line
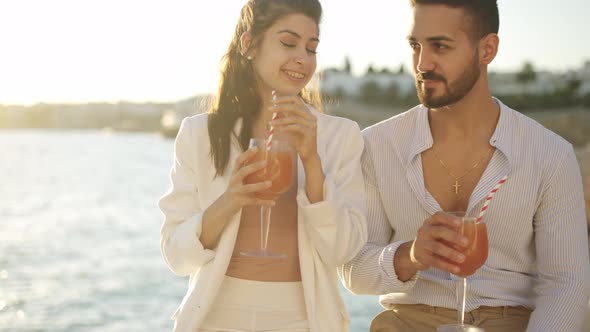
264 227
461 295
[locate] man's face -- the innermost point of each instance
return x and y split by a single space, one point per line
445 60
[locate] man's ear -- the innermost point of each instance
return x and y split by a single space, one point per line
488 48
245 44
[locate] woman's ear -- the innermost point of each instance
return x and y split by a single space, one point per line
245 44
488 48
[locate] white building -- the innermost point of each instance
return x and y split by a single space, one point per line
336 82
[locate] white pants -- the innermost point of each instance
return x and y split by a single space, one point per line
256 306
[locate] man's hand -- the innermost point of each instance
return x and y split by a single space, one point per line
437 242
435 245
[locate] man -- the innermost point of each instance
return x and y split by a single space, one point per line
447 155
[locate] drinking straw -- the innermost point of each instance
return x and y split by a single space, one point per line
489 198
272 129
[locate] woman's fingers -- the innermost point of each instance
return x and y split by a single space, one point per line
245 170
294 124
244 157
311 123
297 128
252 188
292 105
242 193
251 168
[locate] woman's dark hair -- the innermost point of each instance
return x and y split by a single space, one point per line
237 95
484 14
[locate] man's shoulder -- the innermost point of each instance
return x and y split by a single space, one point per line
532 130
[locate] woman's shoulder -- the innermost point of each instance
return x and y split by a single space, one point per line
193 128
197 120
195 123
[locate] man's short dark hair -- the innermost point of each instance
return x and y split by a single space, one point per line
484 13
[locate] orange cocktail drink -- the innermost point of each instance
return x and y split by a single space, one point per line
279 169
280 159
476 252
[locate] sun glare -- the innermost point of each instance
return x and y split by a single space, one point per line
77 51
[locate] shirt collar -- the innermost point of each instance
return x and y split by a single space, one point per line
501 138
422 139
503 135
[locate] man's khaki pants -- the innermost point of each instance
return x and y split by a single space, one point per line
423 318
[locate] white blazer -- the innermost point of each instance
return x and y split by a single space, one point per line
331 232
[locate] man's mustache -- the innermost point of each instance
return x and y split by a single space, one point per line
430 76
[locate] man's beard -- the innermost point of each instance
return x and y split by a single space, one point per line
453 92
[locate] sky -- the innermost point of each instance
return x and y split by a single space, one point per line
166 50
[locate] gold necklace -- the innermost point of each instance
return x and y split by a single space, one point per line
457 178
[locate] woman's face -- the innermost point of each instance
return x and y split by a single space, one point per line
285 58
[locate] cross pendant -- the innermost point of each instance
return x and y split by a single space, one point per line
457 186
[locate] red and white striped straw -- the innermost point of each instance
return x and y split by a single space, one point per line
489 198
271 131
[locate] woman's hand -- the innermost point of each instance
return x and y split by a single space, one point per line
238 194
300 126
297 122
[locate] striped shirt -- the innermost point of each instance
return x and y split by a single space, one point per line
538 245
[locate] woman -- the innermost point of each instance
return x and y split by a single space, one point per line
211 216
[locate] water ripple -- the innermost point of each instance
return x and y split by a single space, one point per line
79 234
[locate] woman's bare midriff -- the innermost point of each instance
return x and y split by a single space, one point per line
282 239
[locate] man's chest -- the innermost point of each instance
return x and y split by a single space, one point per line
452 182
